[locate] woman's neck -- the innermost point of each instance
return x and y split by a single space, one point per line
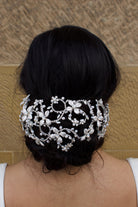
35 167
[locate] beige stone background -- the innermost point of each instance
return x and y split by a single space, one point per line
114 21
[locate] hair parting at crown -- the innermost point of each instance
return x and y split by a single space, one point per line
70 62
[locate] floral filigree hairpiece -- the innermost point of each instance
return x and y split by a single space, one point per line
38 115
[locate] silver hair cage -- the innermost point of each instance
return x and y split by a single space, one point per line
38 115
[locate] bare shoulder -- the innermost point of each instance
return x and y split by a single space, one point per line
111 174
14 177
119 178
118 169
115 180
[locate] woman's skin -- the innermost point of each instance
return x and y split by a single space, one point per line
108 184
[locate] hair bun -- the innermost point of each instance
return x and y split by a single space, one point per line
63 121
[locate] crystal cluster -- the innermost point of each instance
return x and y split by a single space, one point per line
38 115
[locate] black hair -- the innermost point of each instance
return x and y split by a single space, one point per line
72 62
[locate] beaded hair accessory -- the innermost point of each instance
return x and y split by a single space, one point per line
38 115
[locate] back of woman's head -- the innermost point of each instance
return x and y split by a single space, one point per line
73 63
